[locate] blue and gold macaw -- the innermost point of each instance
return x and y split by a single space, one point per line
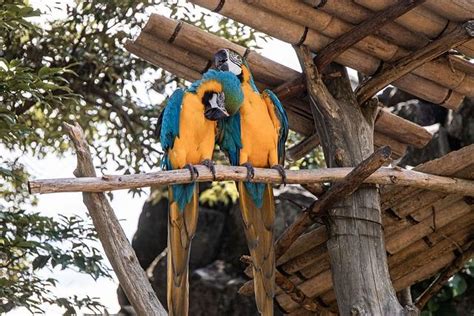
255 137
187 131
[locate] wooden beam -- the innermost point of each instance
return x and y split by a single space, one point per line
351 182
120 253
459 35
383 176
364 29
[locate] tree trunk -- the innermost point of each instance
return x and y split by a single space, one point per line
356 246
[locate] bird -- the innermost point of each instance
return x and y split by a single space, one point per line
187 130
255 137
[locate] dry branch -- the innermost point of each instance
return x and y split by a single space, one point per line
121 255
340 190
459 35
384 176
364 29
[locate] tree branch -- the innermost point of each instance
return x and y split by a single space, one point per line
117 248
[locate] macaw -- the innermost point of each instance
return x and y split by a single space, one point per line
187 131
255 137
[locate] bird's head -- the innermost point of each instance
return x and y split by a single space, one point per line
228 60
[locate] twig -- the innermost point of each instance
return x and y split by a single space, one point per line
117 248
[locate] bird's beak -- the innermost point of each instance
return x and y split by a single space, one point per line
215 107
215 114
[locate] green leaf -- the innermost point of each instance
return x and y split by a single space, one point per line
40 262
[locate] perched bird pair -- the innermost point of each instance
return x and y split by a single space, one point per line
251 128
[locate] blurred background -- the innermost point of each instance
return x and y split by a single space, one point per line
64 61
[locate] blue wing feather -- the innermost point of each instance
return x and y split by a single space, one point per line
284 126
168 125
229 138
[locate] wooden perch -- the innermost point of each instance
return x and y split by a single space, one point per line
370 26
340 190
460 34
121 255
384 176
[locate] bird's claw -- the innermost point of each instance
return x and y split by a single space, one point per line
211 166
282 173
250 171
194 172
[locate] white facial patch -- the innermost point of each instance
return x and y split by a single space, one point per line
233 68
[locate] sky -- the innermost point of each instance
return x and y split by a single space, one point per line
126 207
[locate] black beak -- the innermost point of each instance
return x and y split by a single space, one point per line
215 114
220 60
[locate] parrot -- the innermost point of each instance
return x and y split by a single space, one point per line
187 131
255 137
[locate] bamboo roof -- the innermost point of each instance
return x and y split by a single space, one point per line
425 231
190 52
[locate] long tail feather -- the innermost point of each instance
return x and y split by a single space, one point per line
181 229
258 226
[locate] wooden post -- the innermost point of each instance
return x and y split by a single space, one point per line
356 247
120 253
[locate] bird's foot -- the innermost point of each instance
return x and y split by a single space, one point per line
211 166
194 172
250 171
282 173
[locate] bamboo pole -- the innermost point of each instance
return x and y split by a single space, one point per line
331 28
420 19
354 58
116 246
391 125
458 35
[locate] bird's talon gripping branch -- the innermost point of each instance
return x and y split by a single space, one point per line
211 166
250 171
282 173
194 172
